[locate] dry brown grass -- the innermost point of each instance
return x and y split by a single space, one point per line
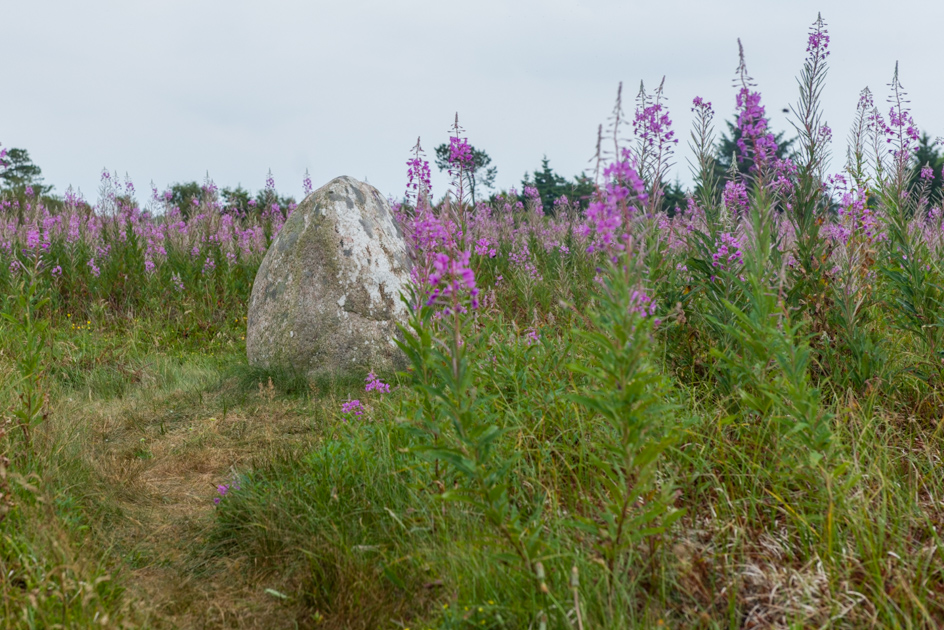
159 463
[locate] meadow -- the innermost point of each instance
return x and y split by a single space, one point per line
617 414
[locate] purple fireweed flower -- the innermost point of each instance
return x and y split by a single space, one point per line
270 182
901 131
728 255
927 173
755 142
784 174
418 178
94 268
306 183
654 135
56 271
856 219
701 105
641 304
521 257
460 153
451 276
178 283
29 191
531 337
653 126
483 248
224 489
209 187
353 407
374 384
561 204
607 215
32 238
735 198
209 265
817 46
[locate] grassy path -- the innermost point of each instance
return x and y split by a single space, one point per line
160 450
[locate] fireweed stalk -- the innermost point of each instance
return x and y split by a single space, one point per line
759 345
624 388
805 201
704 166
452 422
914 280
655 142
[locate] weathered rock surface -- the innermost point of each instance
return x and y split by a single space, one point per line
327 295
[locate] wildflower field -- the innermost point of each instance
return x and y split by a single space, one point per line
618 414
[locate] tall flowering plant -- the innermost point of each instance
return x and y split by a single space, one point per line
622 387
803 186
757 145
913 277
610 213
442 276
454 425
655 141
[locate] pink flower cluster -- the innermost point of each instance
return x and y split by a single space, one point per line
460 153
817 46
483 248
728 255
607 216
352 407
224 489
756 142
374 384
735 198
641 304
653 126
81 237
451 277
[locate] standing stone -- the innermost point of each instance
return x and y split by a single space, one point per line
326 297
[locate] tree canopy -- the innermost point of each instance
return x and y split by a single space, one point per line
20 173
551 186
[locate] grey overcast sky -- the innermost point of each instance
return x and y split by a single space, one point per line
169 90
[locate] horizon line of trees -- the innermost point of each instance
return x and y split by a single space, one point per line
18 173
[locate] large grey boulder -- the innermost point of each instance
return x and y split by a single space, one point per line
327 295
